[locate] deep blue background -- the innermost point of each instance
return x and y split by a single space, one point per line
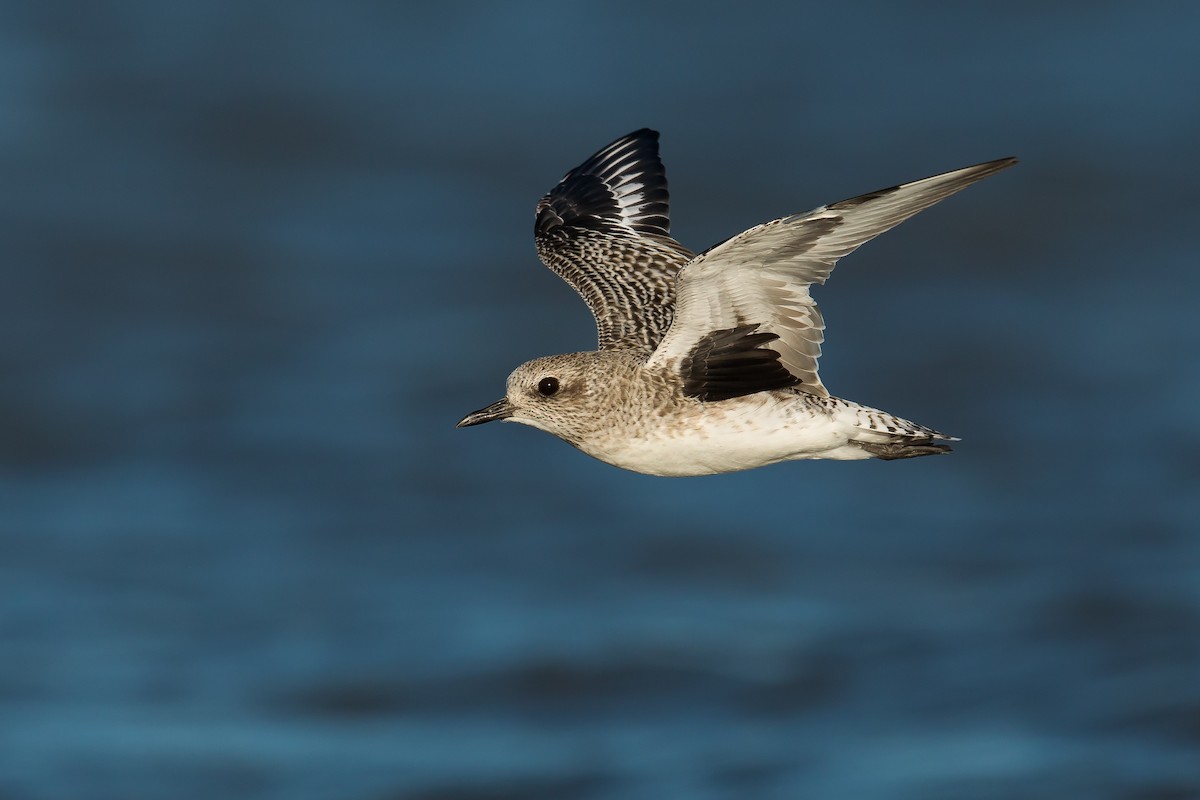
259 258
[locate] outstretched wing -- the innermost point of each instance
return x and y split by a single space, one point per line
604 230
758 281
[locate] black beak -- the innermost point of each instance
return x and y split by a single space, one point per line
501 409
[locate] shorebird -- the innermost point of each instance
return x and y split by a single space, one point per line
706 363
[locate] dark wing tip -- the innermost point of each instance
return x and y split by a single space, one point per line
623 184
992 167
945 184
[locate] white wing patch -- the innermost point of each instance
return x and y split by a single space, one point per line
761 276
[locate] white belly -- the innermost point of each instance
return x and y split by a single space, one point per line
738 434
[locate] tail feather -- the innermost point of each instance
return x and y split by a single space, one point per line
887 436
881 427
904 448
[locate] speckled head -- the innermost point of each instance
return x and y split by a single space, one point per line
557 394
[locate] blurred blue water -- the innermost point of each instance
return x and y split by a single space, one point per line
260 258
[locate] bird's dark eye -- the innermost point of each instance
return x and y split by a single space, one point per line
547 386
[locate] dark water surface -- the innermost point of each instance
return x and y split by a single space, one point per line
259 258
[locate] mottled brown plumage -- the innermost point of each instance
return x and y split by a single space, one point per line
605 230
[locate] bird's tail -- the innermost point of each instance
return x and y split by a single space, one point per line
889 437
910 448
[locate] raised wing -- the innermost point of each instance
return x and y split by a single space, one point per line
757 282
604 229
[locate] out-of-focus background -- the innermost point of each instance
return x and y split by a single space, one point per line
259 258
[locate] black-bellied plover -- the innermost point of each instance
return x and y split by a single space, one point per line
706 363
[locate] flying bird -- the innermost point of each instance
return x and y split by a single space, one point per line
705 363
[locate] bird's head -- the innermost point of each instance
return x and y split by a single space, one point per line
554 393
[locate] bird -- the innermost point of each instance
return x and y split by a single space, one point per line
706 363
